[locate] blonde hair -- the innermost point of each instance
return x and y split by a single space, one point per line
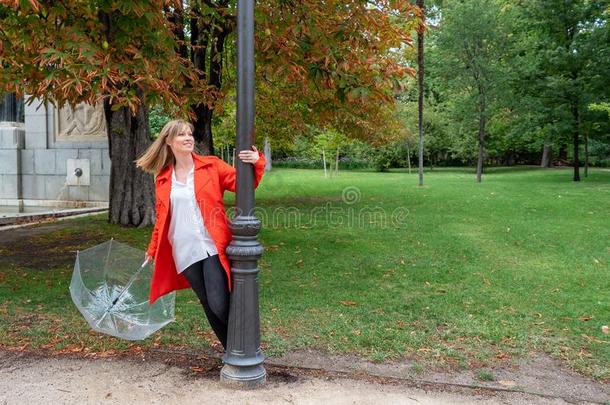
158 155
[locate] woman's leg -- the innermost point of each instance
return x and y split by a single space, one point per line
195 276
218 296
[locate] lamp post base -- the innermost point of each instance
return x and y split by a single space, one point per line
243 377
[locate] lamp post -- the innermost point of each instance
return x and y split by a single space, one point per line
243 358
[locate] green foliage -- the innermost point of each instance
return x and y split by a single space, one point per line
345 163
389 156
157 118
485 376
534 71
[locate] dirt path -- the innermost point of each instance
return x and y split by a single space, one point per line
36 380
27 378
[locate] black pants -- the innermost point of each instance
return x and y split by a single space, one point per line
209 281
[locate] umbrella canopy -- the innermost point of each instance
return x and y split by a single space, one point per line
110 286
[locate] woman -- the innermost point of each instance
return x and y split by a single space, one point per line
191 230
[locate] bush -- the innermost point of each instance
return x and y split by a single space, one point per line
389 156
345 163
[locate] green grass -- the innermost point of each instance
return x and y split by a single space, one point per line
485 376
468 275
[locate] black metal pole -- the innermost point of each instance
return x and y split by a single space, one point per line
244 358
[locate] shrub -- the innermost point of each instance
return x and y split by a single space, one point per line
391 155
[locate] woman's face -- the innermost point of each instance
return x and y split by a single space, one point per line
183 142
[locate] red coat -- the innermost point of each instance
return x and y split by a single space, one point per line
212 177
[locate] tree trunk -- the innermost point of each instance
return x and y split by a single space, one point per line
324 162
546 155
586 154
203 129
576 141
267 153
409 157
481 137
337 162
131 190
420 95
207 52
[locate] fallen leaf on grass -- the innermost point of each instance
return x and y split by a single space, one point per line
107 353
348 303
502 356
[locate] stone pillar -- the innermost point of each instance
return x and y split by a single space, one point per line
12 141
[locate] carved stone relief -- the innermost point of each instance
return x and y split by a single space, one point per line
83 123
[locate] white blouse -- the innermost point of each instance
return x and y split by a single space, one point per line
188 235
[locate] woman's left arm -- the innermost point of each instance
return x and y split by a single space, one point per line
228 174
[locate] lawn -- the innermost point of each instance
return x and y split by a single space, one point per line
454 274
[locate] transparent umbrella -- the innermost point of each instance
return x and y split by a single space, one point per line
110 286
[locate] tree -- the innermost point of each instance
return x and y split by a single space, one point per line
335 61
420 94
202 29
561 50
468 59
319 63
333 64
68 52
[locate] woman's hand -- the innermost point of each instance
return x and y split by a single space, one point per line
147 259
249 156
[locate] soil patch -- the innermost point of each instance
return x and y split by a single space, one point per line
45 247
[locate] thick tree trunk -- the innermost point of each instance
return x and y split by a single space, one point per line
267 153
203 129
420 95
546 155
131 189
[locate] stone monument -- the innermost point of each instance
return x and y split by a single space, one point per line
56 157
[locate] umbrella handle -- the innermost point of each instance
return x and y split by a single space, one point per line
131 280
